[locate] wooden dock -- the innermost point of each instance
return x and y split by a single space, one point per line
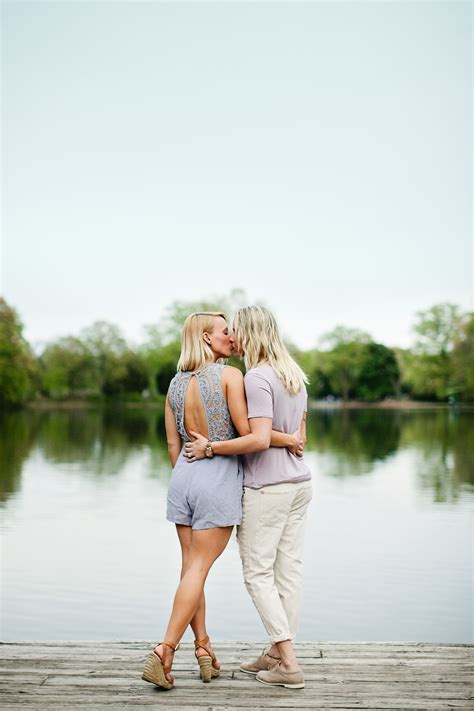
101 675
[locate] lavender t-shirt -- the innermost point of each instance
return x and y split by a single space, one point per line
268 397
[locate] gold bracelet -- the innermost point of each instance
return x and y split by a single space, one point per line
208 451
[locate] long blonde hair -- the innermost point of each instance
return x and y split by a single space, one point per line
195 352
258 334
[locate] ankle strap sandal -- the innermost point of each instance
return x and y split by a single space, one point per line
156 667
208 665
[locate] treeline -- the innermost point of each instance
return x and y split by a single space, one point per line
99 364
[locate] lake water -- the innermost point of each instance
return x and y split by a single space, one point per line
88 553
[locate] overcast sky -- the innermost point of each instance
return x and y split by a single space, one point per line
315 154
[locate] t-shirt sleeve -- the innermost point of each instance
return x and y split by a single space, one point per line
259 395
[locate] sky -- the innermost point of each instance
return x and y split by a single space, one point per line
316 154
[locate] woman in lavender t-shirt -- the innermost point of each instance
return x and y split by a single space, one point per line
277 489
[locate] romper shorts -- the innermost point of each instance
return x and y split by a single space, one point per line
206 493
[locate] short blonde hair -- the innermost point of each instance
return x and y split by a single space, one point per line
195 352
258 334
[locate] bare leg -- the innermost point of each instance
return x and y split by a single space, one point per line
288 657
206 546
198 623
274 651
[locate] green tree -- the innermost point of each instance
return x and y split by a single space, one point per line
151 352
107 344
342 364
169 356
428 372
127 373
379 373
419 375
463 359
319 384
67 368
17 362
436 329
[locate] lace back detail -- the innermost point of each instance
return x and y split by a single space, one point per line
219 422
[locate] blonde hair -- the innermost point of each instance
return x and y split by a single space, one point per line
195 352
258 334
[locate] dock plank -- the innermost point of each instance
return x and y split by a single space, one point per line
70 675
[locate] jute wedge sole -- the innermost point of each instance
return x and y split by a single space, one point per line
154 672
206 669
156 667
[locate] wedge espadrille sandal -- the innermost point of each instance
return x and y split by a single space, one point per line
157 667
208 664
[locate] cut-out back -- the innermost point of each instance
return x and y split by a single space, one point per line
219 422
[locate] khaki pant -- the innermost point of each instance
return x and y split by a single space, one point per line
271 548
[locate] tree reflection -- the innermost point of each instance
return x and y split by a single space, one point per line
18 432
353 439
443 442
348 443
104 440
99 442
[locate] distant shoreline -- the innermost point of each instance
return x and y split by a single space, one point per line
45 405
70 405
388 405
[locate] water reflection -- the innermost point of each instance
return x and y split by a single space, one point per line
348 443
353 439
98 442
18 435
444 443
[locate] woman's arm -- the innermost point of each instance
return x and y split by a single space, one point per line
292 442
295 442
258 440
172 435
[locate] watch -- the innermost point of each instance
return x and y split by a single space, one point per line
208 451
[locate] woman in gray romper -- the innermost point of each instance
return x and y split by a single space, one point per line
209 494
205 499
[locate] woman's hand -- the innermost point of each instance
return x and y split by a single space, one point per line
297 447
195 450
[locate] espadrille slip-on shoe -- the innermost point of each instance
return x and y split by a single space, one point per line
209 667
277 677
263 663
157 667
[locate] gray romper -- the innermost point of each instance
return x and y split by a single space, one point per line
206 493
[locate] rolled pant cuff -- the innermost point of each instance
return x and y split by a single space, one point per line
281 638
